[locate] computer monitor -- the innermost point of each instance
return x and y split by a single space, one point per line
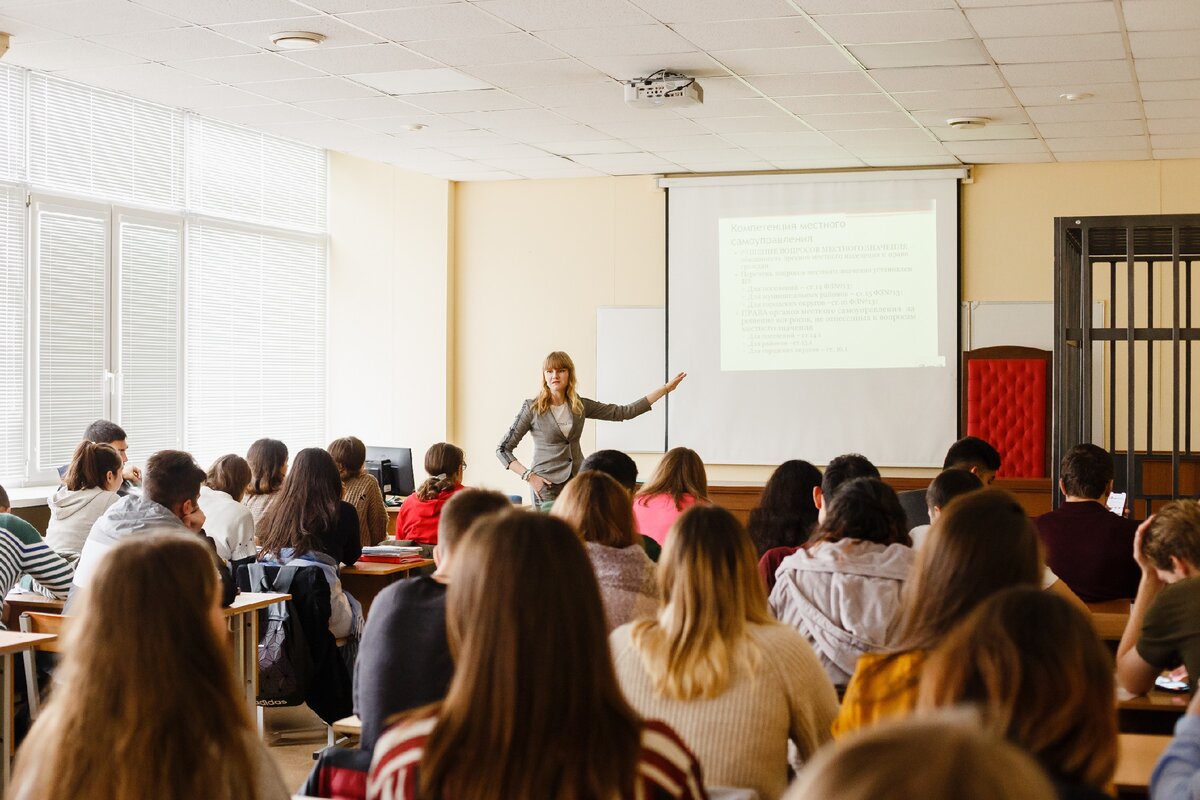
400 481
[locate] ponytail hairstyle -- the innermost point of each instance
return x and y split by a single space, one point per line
442 462
90 466
558 360
268 460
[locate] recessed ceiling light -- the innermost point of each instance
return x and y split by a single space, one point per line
296 40
967 123
1074 97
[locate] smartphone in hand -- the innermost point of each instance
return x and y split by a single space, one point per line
1116 502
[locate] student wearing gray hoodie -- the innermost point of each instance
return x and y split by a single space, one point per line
88 489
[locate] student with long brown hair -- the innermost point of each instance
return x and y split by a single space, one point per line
1034 667
713 664
533 710
88 489
417 521
268 459
982 542
361 490
679 483
145 705
600 509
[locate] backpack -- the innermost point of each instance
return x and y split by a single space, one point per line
285 664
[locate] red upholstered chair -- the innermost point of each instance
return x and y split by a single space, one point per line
1006 402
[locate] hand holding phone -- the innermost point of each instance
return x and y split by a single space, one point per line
1116 502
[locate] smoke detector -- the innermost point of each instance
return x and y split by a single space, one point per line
296 40
967 123
3 44
663 89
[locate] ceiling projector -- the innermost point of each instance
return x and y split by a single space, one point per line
663 89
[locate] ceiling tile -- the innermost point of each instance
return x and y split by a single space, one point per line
855 122
200 98
350 6
258 34
1162 109
548 15
1161 15
1096 143
970 148
432 138
566 96
899 26
631 40
820 83
246 69
399 124
864 6
60 54
500 48
1061 18
920 54
1047 49
27 32
885 149
364 108
856 140
1171 90
416 81
1190 152
844 161
1008 158
703 142
811 141
258 115
1100 93
309 89
950 101
92 17
544 162
991 132
612 110
627 163
662 126
1103 155
735 164
624 68
1162 44
175 45
780 124
1066 74
911 161
838 103
553 133
1176 141
1069 130
1077 112
1167 69
214 12
475 100
919 79
778 60
714 10
135 77
755 107
326 133
1174 125
596 146
429 22
475 152
999 116
577 171
520 118
361 59
749 34
559 72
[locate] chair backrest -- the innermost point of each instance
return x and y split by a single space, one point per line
1006 398
33 622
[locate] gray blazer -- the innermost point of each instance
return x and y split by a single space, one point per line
556 457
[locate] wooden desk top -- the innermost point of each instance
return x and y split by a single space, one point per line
34 599
1136 756
349 726
379 568
1110 625
251 601
1155 700
14 641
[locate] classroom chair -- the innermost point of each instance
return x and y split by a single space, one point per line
33 622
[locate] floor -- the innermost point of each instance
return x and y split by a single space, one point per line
293 735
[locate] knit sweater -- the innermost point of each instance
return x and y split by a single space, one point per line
362 492
741 736
627 584
23 551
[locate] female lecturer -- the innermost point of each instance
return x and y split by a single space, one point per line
556 418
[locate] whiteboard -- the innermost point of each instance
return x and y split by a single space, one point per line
631 359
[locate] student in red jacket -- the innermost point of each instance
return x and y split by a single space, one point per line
417 522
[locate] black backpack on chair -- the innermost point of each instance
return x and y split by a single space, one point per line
285 664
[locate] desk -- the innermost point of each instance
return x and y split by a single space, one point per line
348 726
1136 756
366 579
1110 625
11 643
243 624
18 602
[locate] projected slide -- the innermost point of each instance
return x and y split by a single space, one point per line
829 291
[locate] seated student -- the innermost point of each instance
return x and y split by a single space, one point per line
970 453
1164 629
983 542
227 522
417 522
601 511
1177 773
1040 677
362 490
786 513
533 710
842 592
949 484
104 432
1087 545
308 524
678 484
169 503
944 757
22 552
838 472
404 659
713 665
623 469
145 705
268 459
89 487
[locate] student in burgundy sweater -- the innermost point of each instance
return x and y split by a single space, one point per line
1087 546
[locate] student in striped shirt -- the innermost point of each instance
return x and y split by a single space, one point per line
534 709
24 552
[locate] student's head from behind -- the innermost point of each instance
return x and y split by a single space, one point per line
786 513
681 472
938 758
839 471
599 508
617 465
461 512
534 708
1033 665
104 432
94 466
949 484
866 509
983 542
1086 472
145 655
710 591
445 463
1172 540
172 479
350 454
229 474
306 507
5 503
974 454
268 459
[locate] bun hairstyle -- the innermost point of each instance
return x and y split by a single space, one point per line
90 466
442 462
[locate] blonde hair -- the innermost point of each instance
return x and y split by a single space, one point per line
599 508
558 360
680 472
145 704
1041 677
710 594
896 760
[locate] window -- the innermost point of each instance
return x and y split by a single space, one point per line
12 331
